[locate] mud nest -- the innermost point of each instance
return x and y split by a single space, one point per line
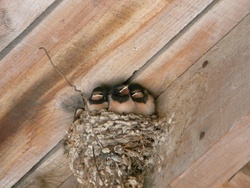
111 150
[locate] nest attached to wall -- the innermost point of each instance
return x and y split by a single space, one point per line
111 150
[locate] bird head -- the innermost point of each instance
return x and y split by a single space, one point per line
138 93
120 93
99 95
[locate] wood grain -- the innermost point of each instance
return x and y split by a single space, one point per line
16 16
241 179
205 104
233 16
181 53
72 182
50 173
91 42
217 164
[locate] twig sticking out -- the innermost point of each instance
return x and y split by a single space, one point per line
47 53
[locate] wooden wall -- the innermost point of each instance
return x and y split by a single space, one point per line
194 56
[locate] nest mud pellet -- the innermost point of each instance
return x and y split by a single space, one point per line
111 150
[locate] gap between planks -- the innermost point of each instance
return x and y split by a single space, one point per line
37 165
34 140
30 28
172 41
200 57
182 32
131 78
205 118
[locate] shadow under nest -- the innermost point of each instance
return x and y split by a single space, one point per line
107 149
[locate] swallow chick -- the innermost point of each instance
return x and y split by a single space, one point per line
120 100
98 99
144 102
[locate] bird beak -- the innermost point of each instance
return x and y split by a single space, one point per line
138 95
124 91
97 97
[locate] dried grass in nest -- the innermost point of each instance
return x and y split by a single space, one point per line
111 150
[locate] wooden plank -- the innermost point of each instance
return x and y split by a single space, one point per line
72 182
85 39
213 15
225 157
16 16
176 57
49 173
52 171
241 179
205 104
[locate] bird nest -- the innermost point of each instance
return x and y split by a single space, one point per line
111 150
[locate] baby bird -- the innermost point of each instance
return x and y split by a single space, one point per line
120 100
98 99
144 102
